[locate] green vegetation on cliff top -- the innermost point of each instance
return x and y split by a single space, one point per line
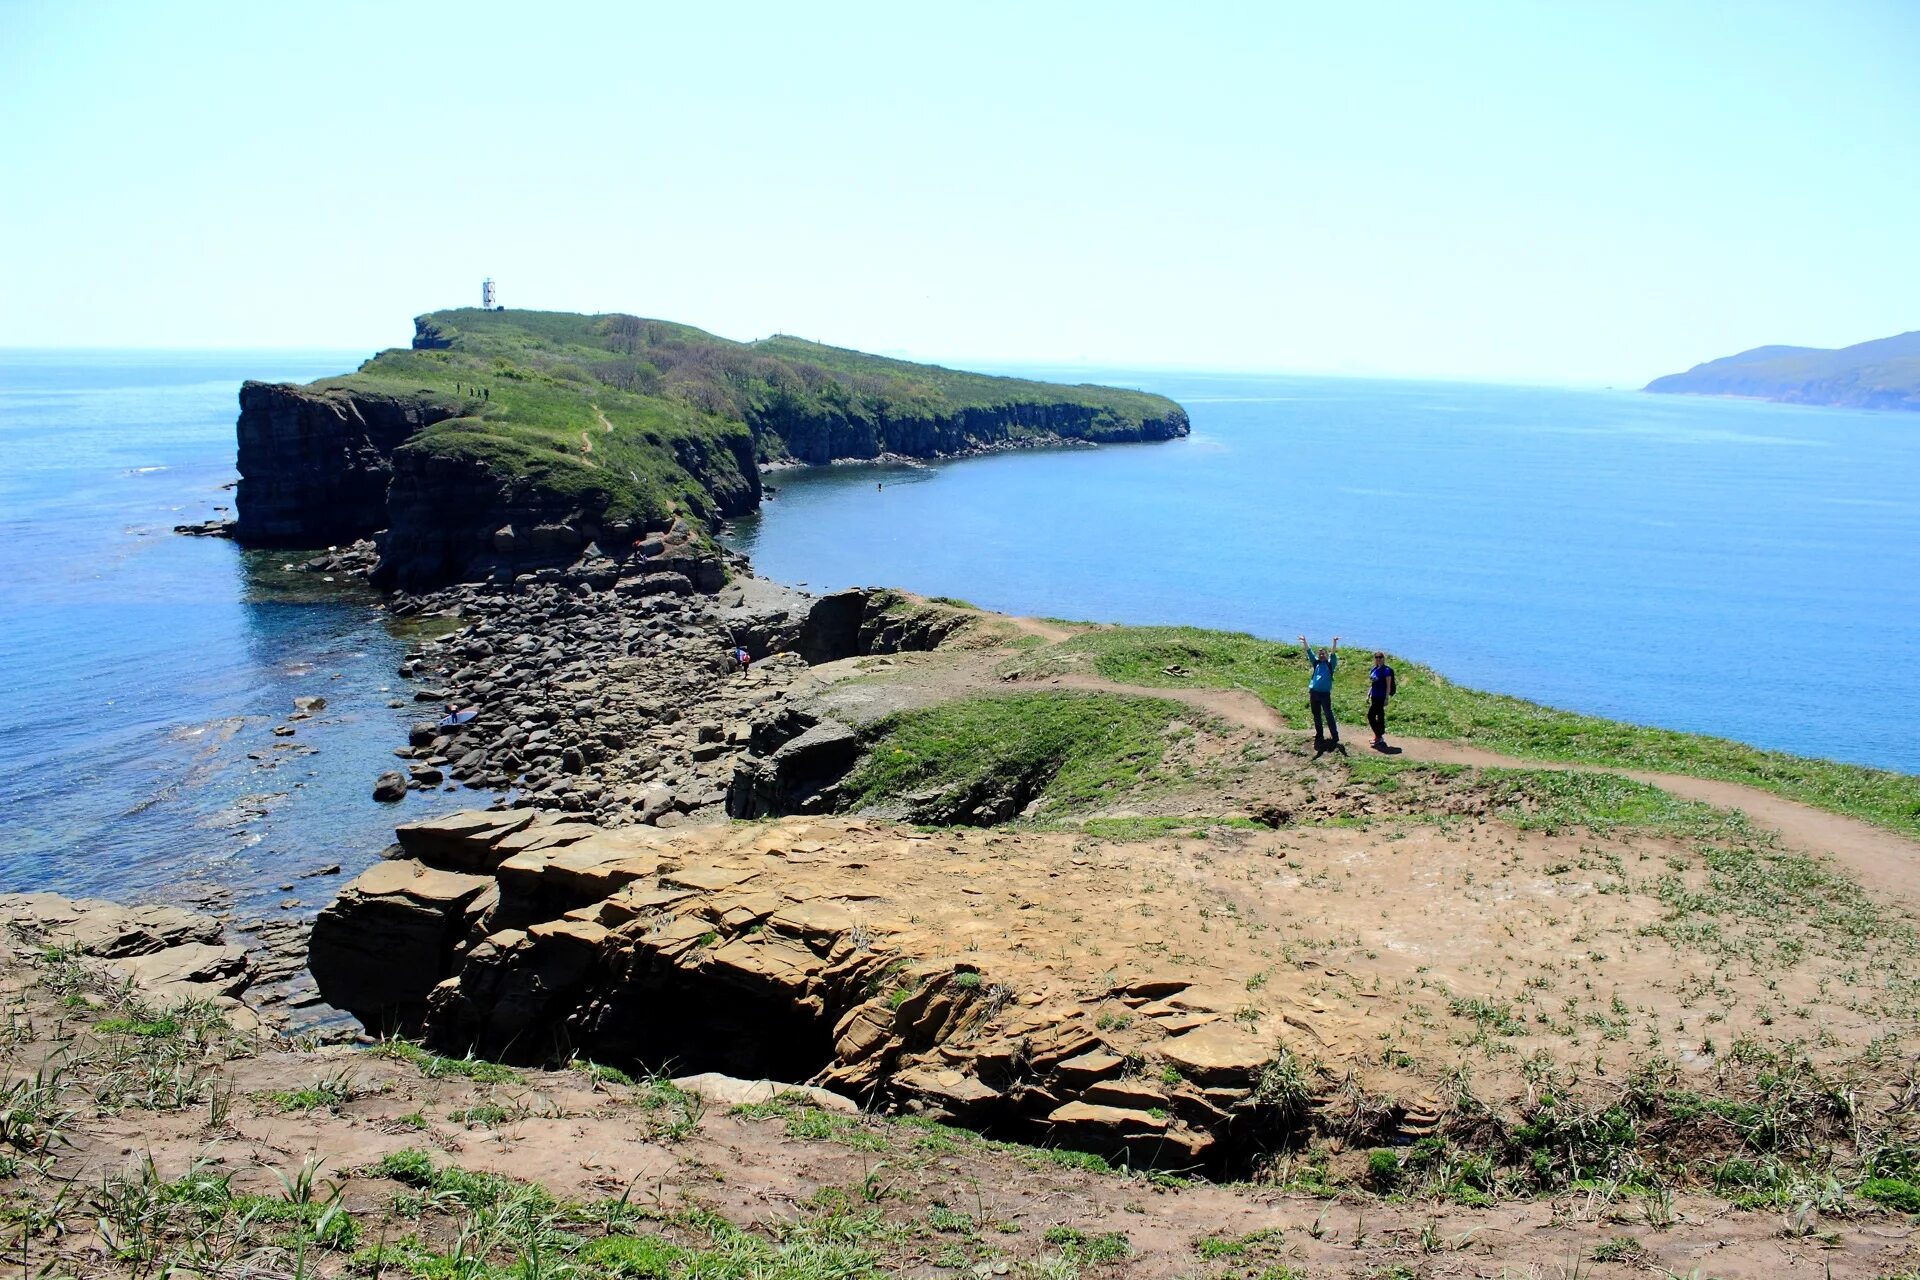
1429 706
645 419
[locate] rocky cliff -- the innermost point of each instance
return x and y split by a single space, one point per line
502 442
820 437
315 464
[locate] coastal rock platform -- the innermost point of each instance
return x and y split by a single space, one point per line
960 975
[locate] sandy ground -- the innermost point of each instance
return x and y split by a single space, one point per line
596 1142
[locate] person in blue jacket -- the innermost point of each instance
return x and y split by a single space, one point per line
1381 685
1320 695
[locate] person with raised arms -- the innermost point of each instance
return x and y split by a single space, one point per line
1320 695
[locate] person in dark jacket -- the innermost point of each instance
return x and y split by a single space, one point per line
1380 687
1320 695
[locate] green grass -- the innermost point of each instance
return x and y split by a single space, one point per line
1085 1246
1073 749
414 1168
435 1067
160 1028
1430 706
1157 828
1894 1193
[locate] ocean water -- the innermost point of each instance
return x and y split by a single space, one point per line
1721 566
139 669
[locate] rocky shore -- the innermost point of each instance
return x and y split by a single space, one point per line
609 689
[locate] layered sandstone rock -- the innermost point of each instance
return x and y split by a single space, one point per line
168 955
958 974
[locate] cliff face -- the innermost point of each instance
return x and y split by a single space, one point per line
451 518
314 466
821 438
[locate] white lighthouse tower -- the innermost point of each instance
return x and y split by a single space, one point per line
489 300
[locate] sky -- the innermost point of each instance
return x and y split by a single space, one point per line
1573 192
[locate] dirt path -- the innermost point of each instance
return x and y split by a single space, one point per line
1045 630
1881 860
1236 706
1877 858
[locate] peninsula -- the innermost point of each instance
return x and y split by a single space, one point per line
1882 374
508 440
855 935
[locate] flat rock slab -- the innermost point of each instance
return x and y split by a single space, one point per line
732 1091
1218 1053
95 927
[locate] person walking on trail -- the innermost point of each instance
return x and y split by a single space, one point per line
742 659
1320 695
1380 687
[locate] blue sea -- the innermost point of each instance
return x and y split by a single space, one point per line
1721 566
140 669
1736 568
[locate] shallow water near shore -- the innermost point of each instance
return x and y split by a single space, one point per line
142 669
1728 567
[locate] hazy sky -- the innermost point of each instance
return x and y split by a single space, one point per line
1599 192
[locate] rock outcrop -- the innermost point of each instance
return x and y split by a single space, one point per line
599 691
168 954
898 968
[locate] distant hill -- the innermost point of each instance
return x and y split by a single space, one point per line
1882 374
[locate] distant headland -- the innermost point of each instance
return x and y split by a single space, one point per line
1882 374
502 440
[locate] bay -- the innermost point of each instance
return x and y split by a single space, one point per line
1730 567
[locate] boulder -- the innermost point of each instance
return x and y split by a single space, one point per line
1218 1053
795 773
464 841
380 947
390 786
192 970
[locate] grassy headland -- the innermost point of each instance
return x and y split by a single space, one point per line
636 419
1430 706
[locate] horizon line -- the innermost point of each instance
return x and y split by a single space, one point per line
956 363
